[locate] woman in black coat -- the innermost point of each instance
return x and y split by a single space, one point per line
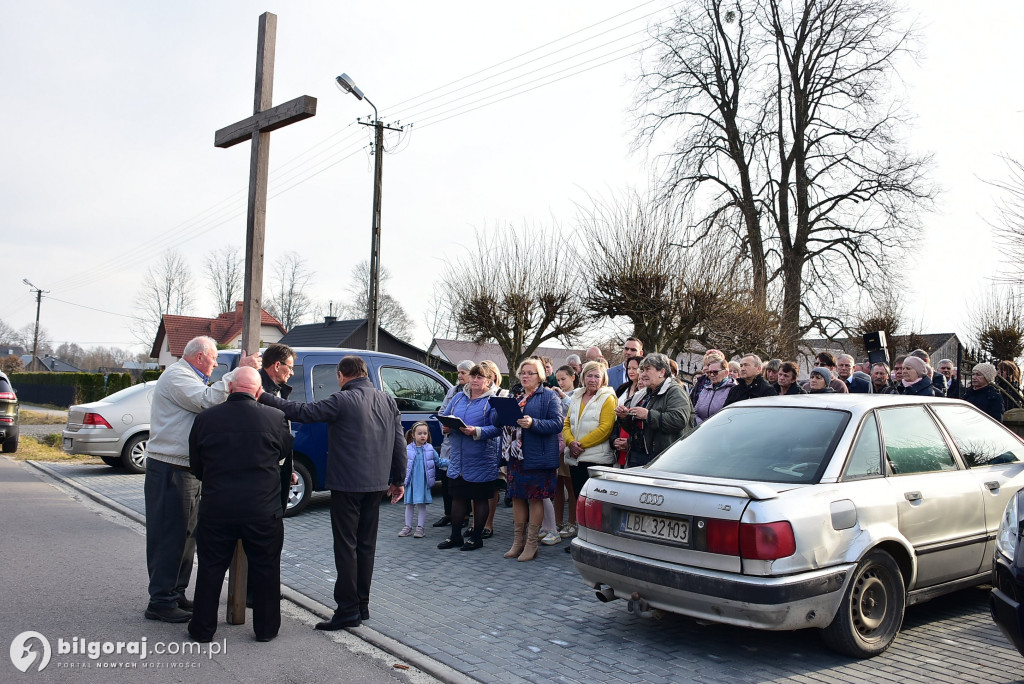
917 378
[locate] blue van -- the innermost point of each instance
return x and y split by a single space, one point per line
418 390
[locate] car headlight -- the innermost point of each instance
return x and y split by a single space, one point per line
1009 529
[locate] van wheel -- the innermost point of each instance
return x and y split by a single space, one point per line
299 494
10 445
871 612
133 456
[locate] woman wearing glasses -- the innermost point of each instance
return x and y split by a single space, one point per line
715 390
531 447
661 417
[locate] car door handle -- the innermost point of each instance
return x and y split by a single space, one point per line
912 496
992 486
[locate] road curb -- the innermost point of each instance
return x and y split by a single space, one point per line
425 663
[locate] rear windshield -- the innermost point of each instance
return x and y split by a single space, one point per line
763 444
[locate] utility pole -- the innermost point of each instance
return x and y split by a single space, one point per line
35 340
373 291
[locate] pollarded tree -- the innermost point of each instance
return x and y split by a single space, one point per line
997 324
517 289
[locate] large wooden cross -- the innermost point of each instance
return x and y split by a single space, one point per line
257 128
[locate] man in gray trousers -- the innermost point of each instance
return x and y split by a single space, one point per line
172 491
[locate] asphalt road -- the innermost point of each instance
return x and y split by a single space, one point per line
75 573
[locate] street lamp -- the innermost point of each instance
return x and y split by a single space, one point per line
346 84
35 341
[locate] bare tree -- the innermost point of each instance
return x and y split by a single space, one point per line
392 315
1009 226
997 324
885 315
519 290
225 270
69 352
635 267
793 95
106 357
8 335
166 289
25 336
288 301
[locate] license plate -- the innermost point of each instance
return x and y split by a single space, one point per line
669 529
67 444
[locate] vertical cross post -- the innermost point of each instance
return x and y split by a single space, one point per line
257 129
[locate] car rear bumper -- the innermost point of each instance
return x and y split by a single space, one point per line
809 599
91 443
1006 613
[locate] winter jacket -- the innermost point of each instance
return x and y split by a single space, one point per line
592 427
711 399
988 400
922 388
430 460
743 390
179 395
668 419
540 440
446 445
365 439
474 459
859 383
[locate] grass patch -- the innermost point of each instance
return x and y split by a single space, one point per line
47 448
39 418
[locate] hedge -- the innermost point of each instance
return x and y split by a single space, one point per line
64 389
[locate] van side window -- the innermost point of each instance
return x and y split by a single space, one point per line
413 391
325 381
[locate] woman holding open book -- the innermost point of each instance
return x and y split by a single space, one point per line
473 458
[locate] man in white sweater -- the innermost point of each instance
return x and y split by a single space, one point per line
172 491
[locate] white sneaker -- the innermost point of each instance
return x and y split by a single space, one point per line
405 532
568 531
550 539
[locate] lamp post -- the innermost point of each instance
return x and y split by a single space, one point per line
346 84
35 340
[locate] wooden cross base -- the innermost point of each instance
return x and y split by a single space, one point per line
238 579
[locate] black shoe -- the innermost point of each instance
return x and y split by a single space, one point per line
487 534
172 614
472 544
364 613
200 639
451 542
264 639
337 622
443 522
184 603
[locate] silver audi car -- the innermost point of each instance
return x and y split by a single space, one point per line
831 511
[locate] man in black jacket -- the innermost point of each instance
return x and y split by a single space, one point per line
365 457
236 450
750 384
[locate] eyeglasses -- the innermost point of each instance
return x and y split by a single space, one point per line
289 366
714 372
522 373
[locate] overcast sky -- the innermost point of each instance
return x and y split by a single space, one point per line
110 110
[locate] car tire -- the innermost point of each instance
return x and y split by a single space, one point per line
871 612
299 494
10 445
133 455
112 461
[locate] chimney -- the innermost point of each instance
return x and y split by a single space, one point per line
330 320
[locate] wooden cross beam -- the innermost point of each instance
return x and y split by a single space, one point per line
257 128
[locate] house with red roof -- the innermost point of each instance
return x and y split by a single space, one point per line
175 332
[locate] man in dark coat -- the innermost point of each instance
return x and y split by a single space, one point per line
236 450
278 366
750 384
365 457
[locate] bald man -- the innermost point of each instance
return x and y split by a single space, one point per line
237 449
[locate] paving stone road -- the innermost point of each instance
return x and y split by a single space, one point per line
502 621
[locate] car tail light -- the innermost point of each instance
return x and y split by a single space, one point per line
592 509
767 541
722 536
96 420
6 419
7 395
581 511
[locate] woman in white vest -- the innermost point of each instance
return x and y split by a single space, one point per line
588 425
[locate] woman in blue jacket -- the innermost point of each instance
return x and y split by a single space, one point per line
531 447
473 459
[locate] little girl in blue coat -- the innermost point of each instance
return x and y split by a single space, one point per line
420 475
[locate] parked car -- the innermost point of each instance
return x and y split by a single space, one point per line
1008 573
8 416
115 428
831 511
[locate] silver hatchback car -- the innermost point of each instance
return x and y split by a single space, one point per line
115 428
830 511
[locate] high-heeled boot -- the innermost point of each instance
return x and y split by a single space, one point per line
518 541
530 549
